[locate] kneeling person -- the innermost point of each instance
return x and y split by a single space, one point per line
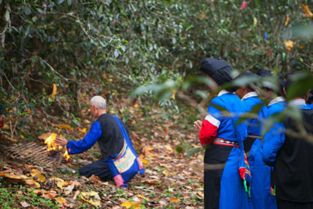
119 160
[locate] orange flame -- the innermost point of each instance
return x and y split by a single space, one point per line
50 142
52 145
66 156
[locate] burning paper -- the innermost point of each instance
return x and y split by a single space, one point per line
53 146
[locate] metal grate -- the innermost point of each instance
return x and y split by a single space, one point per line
33 153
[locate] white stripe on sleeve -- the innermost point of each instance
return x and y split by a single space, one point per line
212 120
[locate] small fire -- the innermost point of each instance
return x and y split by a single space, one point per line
53 146
66 155
50 142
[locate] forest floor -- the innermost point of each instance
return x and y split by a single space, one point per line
165 140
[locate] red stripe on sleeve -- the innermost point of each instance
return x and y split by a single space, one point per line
208 132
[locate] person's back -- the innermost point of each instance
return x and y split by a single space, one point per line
223 139
111 141
294 167
259 170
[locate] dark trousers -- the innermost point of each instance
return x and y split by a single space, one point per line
212 187
283 204
214 158
97 168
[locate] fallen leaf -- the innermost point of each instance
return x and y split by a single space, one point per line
287 20
174 200
37 175
68 190
144 161
61 201
82 130
163 202
289 45
147 150
54 91
132 205
24 204
75 183
44 136
19 178
59 182
12 176
32 183
306 10
49 194
165 173
92 198
95 179
142 197
65 126
200 195
76 194
71 185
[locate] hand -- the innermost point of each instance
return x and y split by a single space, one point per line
197 124
60 140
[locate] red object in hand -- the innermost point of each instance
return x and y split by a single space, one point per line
1 121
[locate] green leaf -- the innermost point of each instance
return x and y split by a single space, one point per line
7 16
27 10
301 83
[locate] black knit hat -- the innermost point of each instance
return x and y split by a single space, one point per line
217 69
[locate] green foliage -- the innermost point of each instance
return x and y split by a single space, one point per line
68 41
6 198
9 199
41 202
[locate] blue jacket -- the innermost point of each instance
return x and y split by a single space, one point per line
251 101
274 137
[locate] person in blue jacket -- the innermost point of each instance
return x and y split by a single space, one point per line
276 106
260 172
291 157
223 139
119 161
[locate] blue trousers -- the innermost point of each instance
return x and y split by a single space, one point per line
261 179
97 168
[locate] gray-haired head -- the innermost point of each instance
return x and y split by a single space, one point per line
99 102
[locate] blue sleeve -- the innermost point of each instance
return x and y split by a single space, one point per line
215 108
274 139
94 133
241 128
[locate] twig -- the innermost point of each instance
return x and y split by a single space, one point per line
6 78
7 25
52 69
